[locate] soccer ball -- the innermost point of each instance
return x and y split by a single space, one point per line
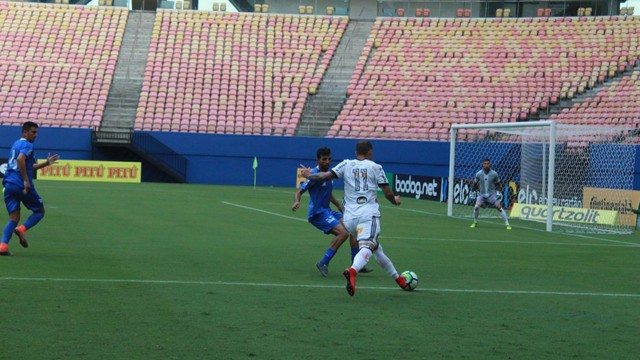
412 280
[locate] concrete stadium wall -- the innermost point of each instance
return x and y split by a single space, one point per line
69 143
228 159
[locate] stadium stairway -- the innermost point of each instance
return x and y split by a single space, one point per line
579 98
323 107
120 110
115 135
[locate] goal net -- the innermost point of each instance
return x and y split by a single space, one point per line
572 178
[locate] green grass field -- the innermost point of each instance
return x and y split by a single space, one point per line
165 271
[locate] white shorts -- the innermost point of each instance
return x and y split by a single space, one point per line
366 229
490 199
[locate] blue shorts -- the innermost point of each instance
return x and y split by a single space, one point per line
326 220
13 196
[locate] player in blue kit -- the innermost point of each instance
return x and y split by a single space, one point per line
362 178
18 187
320 213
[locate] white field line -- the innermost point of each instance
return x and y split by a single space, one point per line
510 242
272 285
522 227
264 211
616 243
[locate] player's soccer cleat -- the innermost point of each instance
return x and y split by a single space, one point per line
19 231
365 270
323 268
4 250
474 225
350 275
508 227
401 281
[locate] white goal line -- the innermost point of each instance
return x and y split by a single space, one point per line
313 286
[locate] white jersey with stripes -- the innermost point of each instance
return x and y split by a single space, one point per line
361 181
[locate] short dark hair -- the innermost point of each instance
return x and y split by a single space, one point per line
363 147
323 151
28 125
486 159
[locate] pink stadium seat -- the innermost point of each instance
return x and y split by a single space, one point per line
53 93
524 79
235 84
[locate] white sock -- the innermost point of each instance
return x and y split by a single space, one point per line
361 259
504 217
476 212
383 260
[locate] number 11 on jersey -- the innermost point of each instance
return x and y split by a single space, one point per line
360 176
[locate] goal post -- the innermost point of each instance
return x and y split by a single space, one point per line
573 178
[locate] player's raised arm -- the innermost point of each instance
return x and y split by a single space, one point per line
51 159
319 176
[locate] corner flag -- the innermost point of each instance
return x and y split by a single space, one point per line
255 166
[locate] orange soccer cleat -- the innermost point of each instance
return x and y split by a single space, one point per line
350 275
20 232
4 250
401 281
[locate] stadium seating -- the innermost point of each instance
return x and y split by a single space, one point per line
57 62
615 104
237 73
417 76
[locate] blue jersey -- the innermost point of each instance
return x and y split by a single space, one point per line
12 175
319 193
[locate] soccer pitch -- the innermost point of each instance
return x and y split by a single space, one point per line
169 271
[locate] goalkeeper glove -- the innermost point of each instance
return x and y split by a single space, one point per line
472 197
499 196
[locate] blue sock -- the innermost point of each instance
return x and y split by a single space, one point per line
33 219
354 252
8 231
327 256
